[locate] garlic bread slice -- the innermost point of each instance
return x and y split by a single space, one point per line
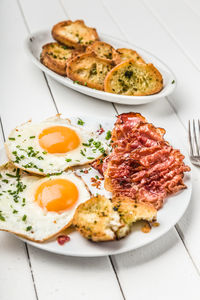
55 56
88 69
131 212
96 220
101 219
133 79
126 54
105 51
74 34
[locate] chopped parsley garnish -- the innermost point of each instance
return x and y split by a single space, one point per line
85 83
82 153
24 218
10 175
68 159
128 74
97 177
11 139
28 228
90 157
97 144
5 180
173 81
54 174
32 137
108 135
76 81
15 211
80 122
2 217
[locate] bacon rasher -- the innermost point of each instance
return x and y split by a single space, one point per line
142 165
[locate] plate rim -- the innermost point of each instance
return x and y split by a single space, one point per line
59 251
121 99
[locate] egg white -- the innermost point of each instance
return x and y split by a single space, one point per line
24 150
39 224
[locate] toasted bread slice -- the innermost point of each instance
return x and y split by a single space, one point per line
105 51
133 79
100 219
55 56
75 34
88 69
95 219
125 54
131 212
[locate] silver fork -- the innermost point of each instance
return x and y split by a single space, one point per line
194 141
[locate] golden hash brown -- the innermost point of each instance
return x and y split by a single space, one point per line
133 79
74 34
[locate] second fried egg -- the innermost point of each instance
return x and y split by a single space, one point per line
53 146
38 207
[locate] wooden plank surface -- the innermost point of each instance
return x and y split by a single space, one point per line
189 224
165 261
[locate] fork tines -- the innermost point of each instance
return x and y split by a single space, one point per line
194 137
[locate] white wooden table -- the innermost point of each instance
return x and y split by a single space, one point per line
166 269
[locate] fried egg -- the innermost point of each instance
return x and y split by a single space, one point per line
52 146
35 207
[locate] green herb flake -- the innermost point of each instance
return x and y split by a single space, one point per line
32 137
68 159
5 180
80 122
173 81
28 228
11 138
108 135
15 211
24 218
2 217
90 158
82 153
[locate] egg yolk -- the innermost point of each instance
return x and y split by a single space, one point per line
57 195
58 139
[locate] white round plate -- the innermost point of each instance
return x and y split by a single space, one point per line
168 216
35 41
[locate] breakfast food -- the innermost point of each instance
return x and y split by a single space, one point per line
132 78
105 51
89 70
139 168
74 34
142 165
126 54
38 208
55 56
86 60
52 146
100 219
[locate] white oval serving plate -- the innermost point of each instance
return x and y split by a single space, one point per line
35 41
168 216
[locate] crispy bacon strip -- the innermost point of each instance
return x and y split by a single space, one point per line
142 165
